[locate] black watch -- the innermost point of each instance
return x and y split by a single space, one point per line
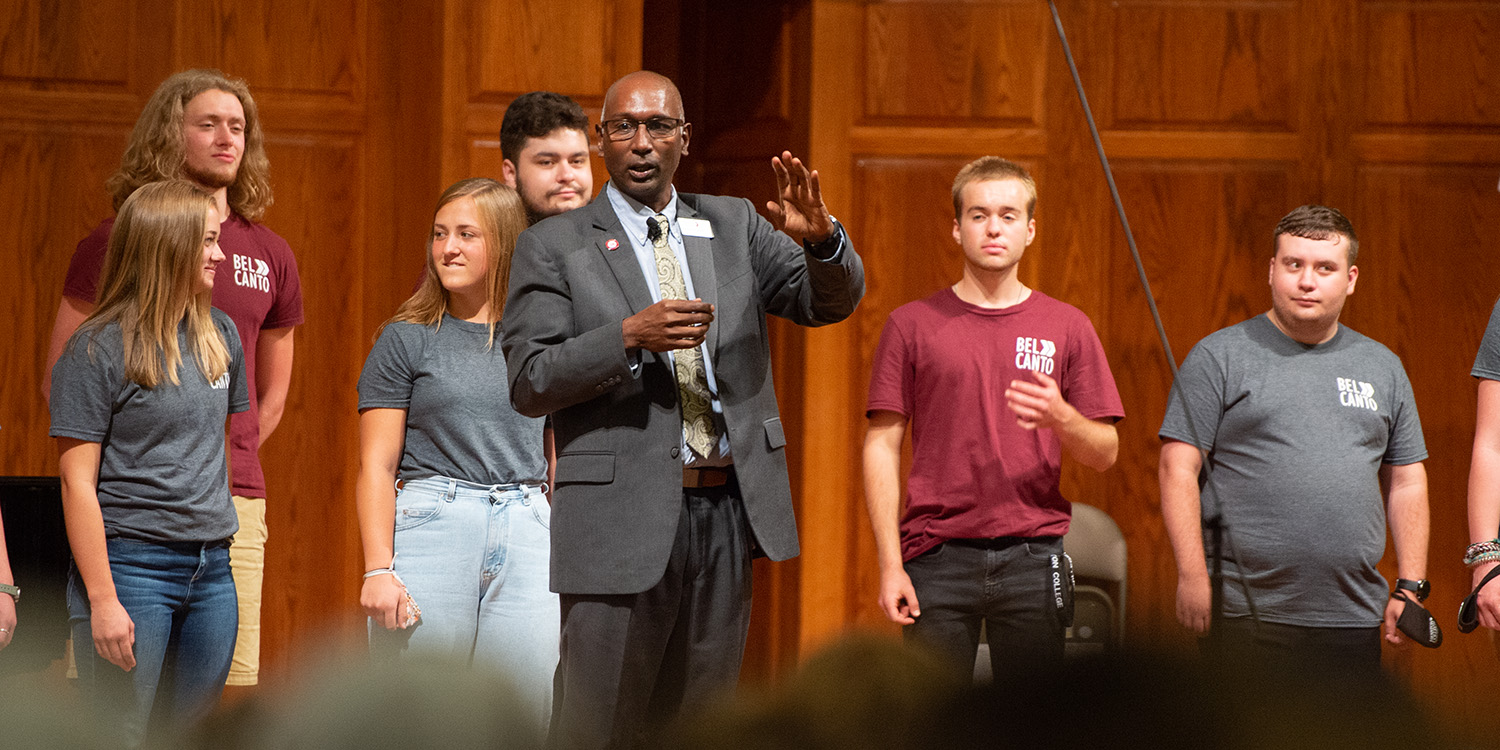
1422 588
824 250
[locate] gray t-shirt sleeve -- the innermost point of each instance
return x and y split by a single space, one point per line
86 382
1487 361
386 381
1195 403
1406 446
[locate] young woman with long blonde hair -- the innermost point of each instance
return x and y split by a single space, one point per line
457 559
139 402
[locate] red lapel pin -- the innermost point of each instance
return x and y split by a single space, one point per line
612 244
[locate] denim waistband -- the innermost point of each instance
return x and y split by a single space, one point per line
179 547
450 486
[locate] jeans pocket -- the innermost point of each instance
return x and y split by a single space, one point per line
541 510
416 506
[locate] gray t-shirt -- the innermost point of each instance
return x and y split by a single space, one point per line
1487 361
162 473
459 422
1296 435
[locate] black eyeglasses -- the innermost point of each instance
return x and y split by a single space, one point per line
623 129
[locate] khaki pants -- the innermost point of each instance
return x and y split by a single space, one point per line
247 559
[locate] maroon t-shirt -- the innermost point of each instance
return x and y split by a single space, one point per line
944 364
256 285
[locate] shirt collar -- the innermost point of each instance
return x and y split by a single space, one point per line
633 215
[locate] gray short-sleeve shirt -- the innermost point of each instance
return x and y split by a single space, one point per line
1296 436
162 472
459 421
1487 361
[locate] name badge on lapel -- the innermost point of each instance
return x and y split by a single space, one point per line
696 228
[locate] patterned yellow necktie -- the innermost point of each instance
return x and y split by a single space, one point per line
692 379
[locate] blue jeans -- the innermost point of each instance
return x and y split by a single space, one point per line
1008 584
475 559
181 598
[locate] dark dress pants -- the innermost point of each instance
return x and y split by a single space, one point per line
630 662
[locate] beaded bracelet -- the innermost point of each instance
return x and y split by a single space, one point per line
1481 552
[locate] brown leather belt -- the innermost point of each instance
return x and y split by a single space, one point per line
710 476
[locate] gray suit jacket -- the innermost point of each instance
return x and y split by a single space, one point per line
619 434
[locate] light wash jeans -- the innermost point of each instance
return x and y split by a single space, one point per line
181 598
475 560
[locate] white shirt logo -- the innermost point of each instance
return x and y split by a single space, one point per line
1357 394
222 384
1035 354
252 273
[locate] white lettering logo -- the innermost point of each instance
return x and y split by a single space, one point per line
252 273
221 384
1035 354
1357 394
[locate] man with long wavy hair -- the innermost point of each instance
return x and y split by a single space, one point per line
203 126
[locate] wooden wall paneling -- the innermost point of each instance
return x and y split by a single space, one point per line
558 45
830 483
312 558
1327 95
49 203
403 147
576 49
1432 313
1214 65
65 43
288 52
1424 160
954 61
1430 64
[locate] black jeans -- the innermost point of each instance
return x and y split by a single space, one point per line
1019 588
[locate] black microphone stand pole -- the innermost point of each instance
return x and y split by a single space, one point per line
1213 521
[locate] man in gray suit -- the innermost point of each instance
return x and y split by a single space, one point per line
638 323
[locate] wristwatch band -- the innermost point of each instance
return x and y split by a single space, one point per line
1421 588
14 591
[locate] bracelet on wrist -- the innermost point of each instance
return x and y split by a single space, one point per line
1480 552
389 570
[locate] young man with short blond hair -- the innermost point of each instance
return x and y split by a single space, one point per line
995 381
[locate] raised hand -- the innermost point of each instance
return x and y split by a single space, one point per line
798 209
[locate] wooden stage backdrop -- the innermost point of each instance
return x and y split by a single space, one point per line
1219 116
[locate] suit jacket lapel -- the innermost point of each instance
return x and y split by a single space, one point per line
621 260
700 258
